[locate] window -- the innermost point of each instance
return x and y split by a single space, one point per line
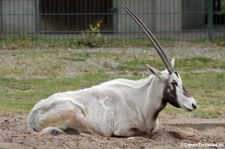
74 15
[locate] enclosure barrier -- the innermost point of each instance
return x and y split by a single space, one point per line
56 19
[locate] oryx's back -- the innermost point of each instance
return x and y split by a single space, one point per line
99 105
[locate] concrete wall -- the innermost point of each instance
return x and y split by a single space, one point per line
156 14
18 16
141 7
162 15
168 15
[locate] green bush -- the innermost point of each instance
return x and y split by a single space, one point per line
92 37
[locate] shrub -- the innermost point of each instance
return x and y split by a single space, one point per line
92 37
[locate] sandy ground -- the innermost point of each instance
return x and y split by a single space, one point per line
207 133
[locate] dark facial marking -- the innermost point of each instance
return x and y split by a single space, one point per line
176 74
174 83
186 93
156 114
169 95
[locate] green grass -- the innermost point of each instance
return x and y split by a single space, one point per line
199 63
20 95
27 76
14 42
137 63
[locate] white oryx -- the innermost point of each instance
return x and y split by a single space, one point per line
119 107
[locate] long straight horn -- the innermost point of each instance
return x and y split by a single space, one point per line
152 38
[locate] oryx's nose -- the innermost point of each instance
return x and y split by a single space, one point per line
194 106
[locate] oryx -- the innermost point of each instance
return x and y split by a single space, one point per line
119 107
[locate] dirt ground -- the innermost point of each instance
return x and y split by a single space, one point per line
207 133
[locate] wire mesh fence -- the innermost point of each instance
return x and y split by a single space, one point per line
57 19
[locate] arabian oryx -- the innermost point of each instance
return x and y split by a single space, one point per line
120 107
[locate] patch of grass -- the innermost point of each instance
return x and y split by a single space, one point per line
20 95
30 75
77 56
140 43
89 39
136 64
14 42
199 63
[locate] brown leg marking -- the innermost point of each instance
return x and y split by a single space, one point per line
80 124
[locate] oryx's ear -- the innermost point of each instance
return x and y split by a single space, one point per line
156 72
173 62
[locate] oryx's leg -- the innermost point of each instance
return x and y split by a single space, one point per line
130 132
52 130
67 119
80 124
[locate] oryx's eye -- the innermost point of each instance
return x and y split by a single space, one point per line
174 83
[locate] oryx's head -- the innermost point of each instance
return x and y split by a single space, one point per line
174 91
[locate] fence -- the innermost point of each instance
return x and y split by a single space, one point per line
168 19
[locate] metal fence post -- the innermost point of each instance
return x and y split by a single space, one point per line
210 20
37 15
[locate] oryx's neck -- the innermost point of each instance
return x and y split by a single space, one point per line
153 101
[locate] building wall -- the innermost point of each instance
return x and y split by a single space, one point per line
159 15
18 16
163 15
141 7
168 15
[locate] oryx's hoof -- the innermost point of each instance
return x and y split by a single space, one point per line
52 131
